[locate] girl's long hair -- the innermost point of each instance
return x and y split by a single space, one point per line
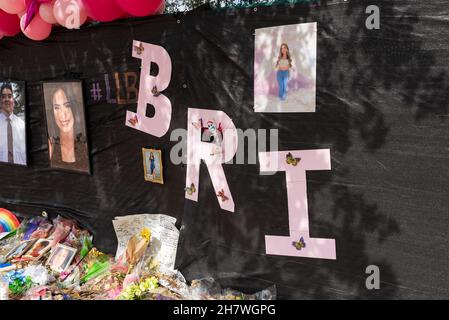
281 56
53 130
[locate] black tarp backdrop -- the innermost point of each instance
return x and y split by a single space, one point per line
382 109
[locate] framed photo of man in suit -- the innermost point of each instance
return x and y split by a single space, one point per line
13 142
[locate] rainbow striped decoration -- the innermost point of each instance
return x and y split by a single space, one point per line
8 221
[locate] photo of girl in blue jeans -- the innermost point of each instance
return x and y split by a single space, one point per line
283 66
152 165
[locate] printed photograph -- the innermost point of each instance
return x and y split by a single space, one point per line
152 162
41 247
19 250
61 258
13 144
66 126
285 68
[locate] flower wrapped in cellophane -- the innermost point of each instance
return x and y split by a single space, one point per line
139 290
95 264
137 246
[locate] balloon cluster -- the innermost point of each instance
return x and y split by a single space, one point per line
36 18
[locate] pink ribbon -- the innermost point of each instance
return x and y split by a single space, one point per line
32 9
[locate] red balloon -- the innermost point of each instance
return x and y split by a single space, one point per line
161 8
103 10
140 8
9 24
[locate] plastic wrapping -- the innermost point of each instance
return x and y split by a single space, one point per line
97 269
18 282
38 274
6 245
209 289
38 293
204 289
42 231
175 282
23 227
71 280
86 245
137 248
266 294
62 229
4 290
73 239
31 226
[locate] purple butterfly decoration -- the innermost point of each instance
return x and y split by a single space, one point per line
301 244
32 9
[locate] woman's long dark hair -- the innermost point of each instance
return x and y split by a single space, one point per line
53 131
281 56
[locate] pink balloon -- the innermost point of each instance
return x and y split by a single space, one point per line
12 6
46 12
9 24
103 10
140 8
37 30
69 13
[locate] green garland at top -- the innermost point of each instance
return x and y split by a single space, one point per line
258 3
173 6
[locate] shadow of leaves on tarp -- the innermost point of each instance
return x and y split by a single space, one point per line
366 79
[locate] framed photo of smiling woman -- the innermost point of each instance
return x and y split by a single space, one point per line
66 126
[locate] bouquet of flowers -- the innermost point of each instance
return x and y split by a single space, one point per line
139 290
136 248
42 231
30 226
96 264
18 283
62 230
